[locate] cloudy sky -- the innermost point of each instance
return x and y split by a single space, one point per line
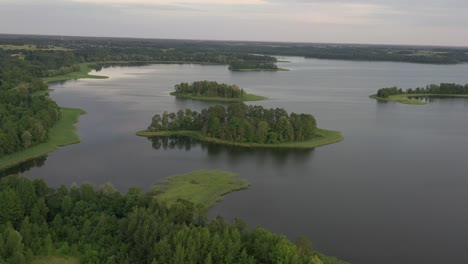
430 22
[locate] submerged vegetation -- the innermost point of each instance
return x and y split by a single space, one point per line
202 188
39 224
410 96
242 125
213 91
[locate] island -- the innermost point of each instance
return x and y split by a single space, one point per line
410 96
244 126
213 91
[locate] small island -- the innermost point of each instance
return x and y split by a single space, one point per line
213 91
243 126
410 96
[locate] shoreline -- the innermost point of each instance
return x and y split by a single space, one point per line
407 98
61 134
247 97
326 137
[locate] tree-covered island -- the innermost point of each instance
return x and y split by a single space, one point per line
213 91
244 126
410 96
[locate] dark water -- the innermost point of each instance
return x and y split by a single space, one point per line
394 191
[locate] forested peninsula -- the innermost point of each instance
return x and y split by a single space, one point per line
244 126
40 224
410 96
213 91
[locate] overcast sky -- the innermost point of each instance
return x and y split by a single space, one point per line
430 22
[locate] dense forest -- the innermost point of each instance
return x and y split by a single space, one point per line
240 123
105 226
209 89
442 89
239 65
25 113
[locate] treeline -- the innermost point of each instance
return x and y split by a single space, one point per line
443 88
104 226
209 89
240 123
25 115
238 65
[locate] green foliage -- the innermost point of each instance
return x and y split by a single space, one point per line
433 89
105 226
240 123
202 188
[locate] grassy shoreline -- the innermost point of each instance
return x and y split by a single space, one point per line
83 73
246 97
324 137
61 134
407 98
202 188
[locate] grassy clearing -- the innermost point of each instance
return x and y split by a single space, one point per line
61 134
83 73
409 99
203 188
323 137
55 260
246 97
30 47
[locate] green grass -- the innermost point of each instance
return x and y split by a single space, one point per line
203 188
55 260
83 73
246 97
323 137
30 47
61 134
408 99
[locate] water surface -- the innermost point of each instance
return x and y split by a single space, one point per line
394 191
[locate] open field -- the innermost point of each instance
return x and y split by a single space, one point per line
30 47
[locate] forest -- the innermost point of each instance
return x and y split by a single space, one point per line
433 89
26 114
209 89
240 123
104 226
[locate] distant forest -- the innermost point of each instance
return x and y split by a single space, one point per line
240 123
442 89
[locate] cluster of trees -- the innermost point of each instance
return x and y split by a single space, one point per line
238 65
105 226
25 114
240 123
443 88
209 89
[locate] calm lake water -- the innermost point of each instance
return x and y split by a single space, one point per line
394 191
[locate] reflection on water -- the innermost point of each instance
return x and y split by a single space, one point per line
25 166
235 154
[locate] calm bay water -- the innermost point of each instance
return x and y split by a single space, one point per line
394 191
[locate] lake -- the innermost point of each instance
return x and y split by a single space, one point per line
394 191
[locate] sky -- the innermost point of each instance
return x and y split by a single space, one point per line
419 22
